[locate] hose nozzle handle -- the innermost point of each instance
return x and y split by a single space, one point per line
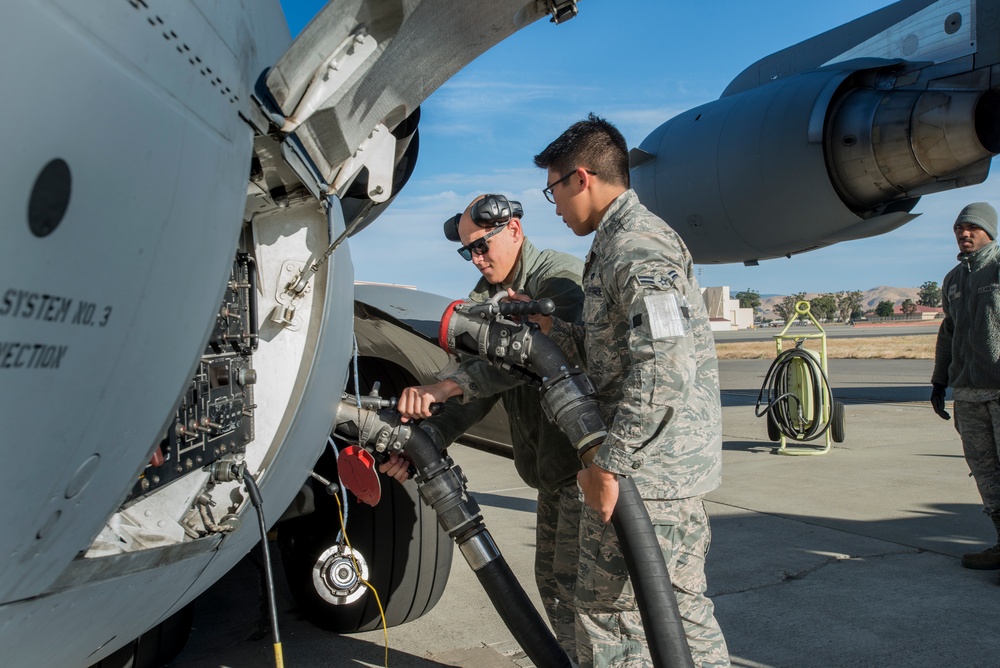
544 306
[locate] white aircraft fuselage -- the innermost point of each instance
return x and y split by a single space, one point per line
128 152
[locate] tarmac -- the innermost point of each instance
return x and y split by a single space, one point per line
850 558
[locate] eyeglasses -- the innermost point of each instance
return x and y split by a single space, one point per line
547 191
480 246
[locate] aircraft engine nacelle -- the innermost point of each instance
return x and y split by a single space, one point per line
813 159
884 146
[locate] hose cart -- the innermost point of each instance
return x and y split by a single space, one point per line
796 397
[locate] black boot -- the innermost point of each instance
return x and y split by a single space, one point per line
987 560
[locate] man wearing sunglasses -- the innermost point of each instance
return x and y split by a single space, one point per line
493 240
648 348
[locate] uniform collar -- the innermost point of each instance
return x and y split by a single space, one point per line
976 259
609 222
525 260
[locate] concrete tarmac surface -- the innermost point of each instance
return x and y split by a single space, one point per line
845 559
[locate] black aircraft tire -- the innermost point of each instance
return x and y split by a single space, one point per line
408 556
838 422
156 647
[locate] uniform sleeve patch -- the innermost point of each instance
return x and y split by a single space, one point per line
665 318
658 281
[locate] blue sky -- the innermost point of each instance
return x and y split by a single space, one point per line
637 63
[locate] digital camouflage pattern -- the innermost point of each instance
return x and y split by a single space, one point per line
649 350
978 423
557 553
609 631
659 395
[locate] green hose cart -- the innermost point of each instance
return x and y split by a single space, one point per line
796 398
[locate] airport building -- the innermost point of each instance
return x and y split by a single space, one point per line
725 313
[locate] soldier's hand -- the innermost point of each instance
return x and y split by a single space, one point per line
396 466
415 402
937 401
600 490
544 322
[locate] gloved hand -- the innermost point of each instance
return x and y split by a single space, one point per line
937 401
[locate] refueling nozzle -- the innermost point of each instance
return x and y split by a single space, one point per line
483 330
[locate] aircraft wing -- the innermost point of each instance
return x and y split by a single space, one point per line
908 30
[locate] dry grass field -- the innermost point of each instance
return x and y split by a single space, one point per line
911 347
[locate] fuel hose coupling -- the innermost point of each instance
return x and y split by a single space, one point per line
440 482
487 331
442 486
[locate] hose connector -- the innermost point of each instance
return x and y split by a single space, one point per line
568 396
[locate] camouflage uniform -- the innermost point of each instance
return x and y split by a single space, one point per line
967 358
543 456
650 353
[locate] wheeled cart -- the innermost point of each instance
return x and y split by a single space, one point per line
796 396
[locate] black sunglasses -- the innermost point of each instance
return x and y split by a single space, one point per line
480 246
547 191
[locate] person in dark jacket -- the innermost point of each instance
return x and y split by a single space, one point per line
967 359
494 242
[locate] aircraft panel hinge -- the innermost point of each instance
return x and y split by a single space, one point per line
292 289
378 154
331 75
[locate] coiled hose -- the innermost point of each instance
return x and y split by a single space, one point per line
785 407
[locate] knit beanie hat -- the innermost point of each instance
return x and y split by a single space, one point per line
981 215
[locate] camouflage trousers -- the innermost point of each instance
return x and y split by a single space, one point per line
978 422
609 628
557 550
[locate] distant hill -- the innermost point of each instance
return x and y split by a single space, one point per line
869 298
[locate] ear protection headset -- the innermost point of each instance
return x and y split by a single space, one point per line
490 211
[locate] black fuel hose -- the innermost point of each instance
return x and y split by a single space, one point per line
495 576
441 486
511 602
654 593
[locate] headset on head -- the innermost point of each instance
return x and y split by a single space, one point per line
490 211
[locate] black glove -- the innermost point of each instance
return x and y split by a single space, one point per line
937 401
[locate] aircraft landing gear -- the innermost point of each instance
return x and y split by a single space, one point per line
407 555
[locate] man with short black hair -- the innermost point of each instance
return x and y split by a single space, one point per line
967 359
649 351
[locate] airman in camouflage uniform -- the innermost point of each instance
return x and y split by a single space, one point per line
649 350
967 358
543 456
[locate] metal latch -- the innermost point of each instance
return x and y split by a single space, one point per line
561 10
